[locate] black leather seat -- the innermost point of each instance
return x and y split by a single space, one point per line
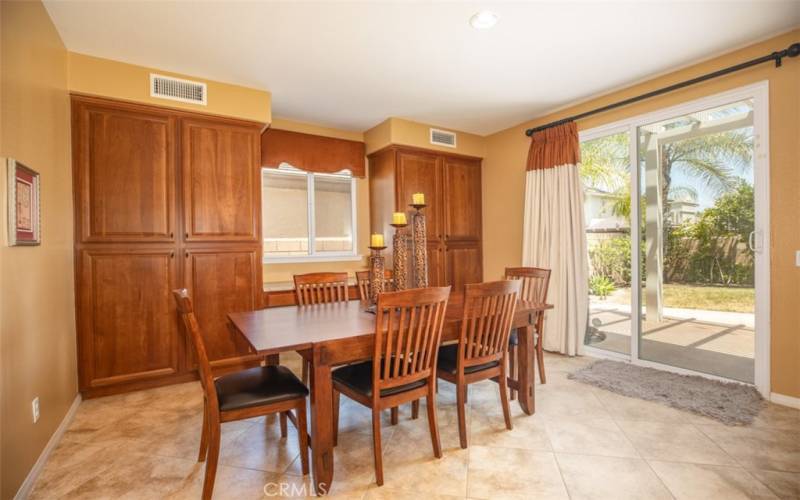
513 339
258 386
448 361
358 377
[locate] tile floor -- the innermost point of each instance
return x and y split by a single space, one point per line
581 443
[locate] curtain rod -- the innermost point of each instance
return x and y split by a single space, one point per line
791 51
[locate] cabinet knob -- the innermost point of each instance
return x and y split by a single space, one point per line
171 235
172 255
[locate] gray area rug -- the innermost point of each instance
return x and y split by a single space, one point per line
728 402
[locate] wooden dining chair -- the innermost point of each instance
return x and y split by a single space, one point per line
535 282
319 288
254 392
482 345
408 329
362 278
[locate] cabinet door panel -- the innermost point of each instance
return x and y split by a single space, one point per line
221 182
420 173
462 193
221 282
128 321
463 266
436 272
125 165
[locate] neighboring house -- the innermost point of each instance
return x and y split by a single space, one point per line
681 211
598 208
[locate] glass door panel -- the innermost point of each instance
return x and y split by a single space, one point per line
697 228
606 173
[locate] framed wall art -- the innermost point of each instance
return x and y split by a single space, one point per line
24 221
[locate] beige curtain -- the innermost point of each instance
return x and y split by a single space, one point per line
555 234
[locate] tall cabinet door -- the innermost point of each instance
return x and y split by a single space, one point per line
221 181
124 173
463 264
419 172
221 281
127 318
462 199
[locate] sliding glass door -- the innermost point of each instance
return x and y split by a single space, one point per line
606 171
676 242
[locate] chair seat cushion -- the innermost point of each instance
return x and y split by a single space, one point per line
258 386
448 361
358 377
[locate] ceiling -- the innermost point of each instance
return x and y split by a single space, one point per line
351 65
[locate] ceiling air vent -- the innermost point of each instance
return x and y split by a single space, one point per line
443 138
176 89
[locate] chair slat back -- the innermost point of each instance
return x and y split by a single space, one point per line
534 282
486 322
186 310
408 330
320 288
362 278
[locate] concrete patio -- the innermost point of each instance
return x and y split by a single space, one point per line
714 342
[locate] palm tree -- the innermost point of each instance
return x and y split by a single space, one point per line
713 159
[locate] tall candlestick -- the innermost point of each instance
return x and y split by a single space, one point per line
377 273
400 255
419 232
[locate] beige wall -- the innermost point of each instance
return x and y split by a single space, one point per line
118 80
37 319
504 182
275 273
409 133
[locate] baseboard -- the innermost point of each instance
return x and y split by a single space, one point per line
783 400
27 485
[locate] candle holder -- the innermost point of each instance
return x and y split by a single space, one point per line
377 274
420 235
400 257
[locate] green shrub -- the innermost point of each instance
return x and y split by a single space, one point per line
601 286
611 259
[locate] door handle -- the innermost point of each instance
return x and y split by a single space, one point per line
755 241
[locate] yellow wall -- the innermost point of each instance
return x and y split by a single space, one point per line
504 182
37 318
118 80
283 272
409 133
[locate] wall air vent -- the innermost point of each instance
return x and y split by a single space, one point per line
176 89
443 138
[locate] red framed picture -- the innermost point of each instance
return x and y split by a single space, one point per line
24 221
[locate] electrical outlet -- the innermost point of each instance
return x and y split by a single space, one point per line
35 409
797 258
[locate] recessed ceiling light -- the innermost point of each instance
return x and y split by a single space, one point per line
483 20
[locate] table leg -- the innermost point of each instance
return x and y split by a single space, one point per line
321 424
526 370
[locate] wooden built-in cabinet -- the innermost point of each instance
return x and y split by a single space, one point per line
452 187
164 199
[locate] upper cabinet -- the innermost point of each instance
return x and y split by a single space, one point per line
462 199
221 191
420 173
124 173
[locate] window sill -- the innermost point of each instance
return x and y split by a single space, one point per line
303 259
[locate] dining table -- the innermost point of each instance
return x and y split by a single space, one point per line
333 334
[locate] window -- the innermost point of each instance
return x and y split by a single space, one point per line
307 216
